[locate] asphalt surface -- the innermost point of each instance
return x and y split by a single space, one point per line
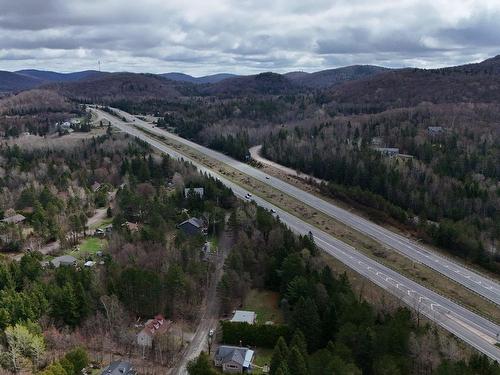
484 286
477 331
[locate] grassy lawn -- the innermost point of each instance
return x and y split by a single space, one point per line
265 304
262 357
90 245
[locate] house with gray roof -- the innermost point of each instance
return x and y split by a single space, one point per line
119 368
234 359
388 151
14 219
64 260
193 226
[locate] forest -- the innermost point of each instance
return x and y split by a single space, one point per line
155 269
328 327
445 185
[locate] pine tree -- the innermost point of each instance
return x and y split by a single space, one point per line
296 362
279 357
306 319
299 341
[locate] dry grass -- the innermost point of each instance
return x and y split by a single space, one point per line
265 304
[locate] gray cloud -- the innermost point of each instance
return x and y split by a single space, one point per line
244 36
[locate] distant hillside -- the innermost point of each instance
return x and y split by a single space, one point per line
333 77
16 82
407 87
49 76
34 101
260 84
181 77
114 87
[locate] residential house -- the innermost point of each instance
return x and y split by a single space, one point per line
152 327
242 316
234 359
119 368
64 260
14 219
193 226
434 130
388 151
96 186
200 192
132 227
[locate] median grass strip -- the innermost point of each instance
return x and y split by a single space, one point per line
315 190
386 256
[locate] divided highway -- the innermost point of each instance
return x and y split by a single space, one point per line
470 279
477 331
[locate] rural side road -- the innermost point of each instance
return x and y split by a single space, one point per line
210 314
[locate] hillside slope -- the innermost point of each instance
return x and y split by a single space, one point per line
408 87
333 77
15 82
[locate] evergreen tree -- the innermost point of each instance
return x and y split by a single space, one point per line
306 319
280 355
296 362
299 342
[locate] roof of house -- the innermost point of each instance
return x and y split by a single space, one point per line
64 259
242 356
198 223
242 316
155 325
387 149
119 368
96 186
133 227
15 219
198 191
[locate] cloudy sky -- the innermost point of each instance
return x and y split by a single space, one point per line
244 36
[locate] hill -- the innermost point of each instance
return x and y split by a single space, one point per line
114 87
260 84
181 77
333 77
16 82
408 87
49 76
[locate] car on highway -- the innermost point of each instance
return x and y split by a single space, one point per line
273 211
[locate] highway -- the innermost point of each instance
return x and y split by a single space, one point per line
470 279
475 330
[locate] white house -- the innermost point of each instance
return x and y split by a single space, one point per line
242 316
